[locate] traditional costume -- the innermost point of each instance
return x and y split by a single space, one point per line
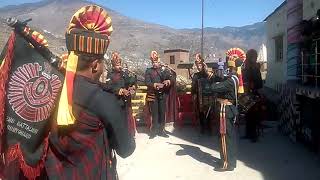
158 81
120 80
201 107
253 82
227 96
91 125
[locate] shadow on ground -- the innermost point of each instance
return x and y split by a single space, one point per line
143 130
274 155
196 154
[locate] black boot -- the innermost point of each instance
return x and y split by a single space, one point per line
152 135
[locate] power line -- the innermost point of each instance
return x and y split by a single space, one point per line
202 12
202 22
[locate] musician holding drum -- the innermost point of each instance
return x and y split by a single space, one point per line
122 83
158 81
253 82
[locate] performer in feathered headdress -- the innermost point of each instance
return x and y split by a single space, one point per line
90 122
122 83
200 108
159 81
227 96
234 54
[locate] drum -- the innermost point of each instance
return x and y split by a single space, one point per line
247 101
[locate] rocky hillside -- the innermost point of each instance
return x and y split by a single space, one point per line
133 38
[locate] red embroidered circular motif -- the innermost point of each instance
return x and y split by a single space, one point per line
32 91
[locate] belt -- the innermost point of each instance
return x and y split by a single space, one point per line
224 101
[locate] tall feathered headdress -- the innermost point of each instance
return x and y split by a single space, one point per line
154 57
236 58
89 33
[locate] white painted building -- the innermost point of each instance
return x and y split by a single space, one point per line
276 25
285 19
310 8
293 43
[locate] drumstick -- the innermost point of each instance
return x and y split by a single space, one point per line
208 112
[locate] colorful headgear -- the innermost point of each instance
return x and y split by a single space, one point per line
198 58
88 33
115 59
154 57
236 58
233 54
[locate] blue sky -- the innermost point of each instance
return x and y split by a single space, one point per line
187 13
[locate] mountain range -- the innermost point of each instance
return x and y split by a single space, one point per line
133 38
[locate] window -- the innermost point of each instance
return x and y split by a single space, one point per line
278 48
172 60
310 64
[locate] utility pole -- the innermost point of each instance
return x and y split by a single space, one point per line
202 10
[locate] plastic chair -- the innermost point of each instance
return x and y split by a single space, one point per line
185 109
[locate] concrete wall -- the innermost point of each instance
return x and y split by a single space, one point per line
180 57
276 25
310 8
